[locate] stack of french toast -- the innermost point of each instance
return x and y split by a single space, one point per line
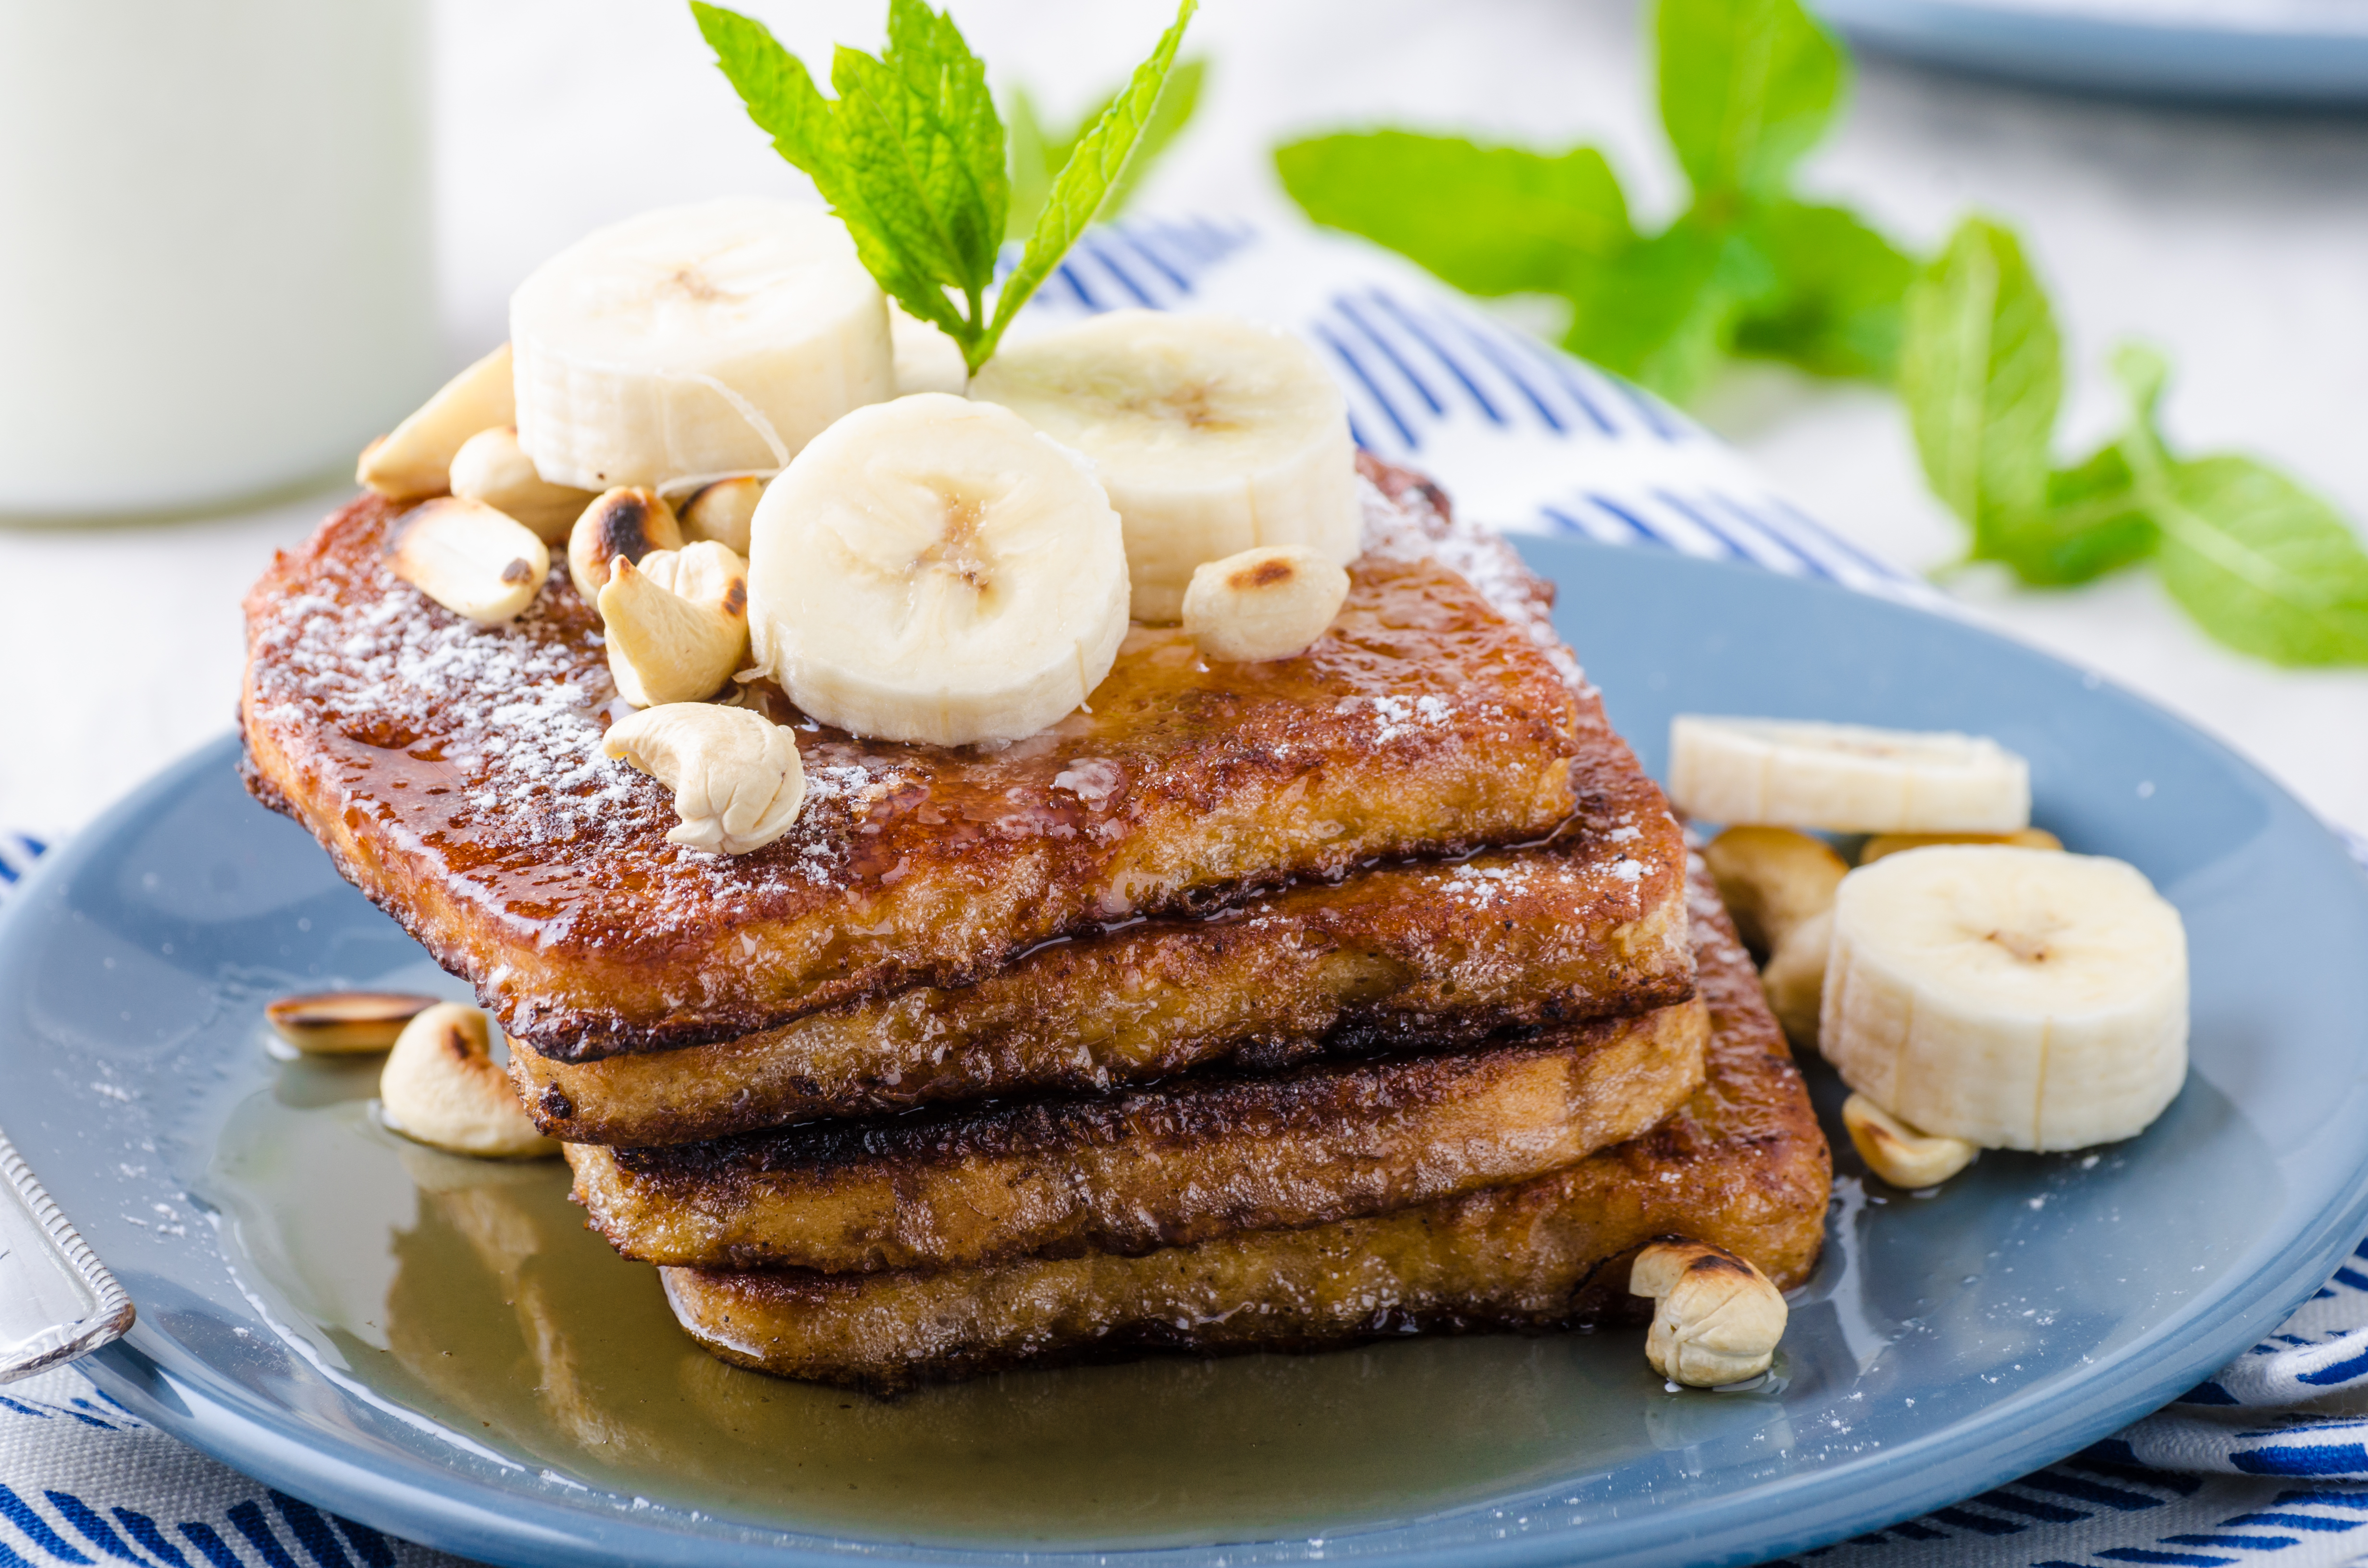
1255 1005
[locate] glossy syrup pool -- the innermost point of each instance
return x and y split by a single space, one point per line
471 1292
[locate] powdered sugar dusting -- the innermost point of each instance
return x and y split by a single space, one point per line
1409 526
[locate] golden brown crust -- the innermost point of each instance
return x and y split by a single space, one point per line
454 774
1742 1165
1424 956
1153 1168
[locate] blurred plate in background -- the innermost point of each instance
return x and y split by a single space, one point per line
2281 51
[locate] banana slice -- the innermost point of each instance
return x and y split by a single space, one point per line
2015 998
1845 778
1212 436
933 570
695 342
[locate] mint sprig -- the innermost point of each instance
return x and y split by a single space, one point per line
914 159
1747 88
2261 562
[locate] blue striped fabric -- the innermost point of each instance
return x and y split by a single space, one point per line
1532 440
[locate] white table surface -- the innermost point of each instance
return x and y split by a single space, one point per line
2238 242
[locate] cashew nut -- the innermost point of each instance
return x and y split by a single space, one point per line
678 624
1883 844
723 511
416 461
440 1086
736 777
345 1023
1899 1152
471 559
621 522
493 468
1269 602
1772 879
1718 1318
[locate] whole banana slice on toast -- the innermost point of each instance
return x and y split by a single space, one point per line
933 570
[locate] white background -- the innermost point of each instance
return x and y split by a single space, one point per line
2238 241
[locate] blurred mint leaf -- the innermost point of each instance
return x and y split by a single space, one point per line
1664 311
1084 181
1837 308
1037 154
1980 370
2261 562
1488 219
1746 86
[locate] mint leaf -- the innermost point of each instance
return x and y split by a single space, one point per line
2261 563
1747 87
1980 371
780 95
1664 311
1840 289
1487 220
1084 181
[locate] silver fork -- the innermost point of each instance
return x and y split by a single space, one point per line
58 1303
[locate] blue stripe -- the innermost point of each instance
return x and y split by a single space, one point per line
1109 264
1915 1531
1565 374
2353 1278
1773 535
210 1546
248 1518
2327 1459
2296 1522
37 1529
143 1529
1880 570
1678 505
1183 284
1632 519
312 1530
1482 346
1357 368
2185 1559
2342 1371
2248 1543
1454 366
2207 1394
1067 273
96 1530
1389 351
373 1547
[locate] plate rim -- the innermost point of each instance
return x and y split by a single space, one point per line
175 1391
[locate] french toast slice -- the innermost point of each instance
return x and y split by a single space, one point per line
1742 1163
454 773
1415 956
1149 1168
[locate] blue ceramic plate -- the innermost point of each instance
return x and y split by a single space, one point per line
1944 1346
2264 52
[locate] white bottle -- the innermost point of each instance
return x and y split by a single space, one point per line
216 267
